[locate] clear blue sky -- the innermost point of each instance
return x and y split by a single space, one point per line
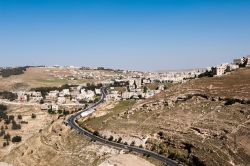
127 34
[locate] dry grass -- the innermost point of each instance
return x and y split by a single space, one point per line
236 84
97 123
38 77
218 124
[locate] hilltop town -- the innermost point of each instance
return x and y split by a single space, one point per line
164 112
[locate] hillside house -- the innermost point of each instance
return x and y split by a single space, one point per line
45 106
22 97
61 100
248 61
54 107
221 69
64 92
52 95
98 91
127 95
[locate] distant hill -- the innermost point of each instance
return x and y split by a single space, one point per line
181 70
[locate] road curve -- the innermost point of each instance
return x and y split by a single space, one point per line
72 123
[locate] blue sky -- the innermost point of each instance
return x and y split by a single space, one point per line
127 34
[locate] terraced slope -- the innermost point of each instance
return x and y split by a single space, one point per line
202 122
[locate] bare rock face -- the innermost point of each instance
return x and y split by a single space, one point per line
58 145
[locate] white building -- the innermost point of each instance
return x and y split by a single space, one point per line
127 95
86 95
22 97
53 95
64 92
45 106
222 69
35 94
248 61
98 91
61 100
161 87
149 94
55 107
233 67
114 95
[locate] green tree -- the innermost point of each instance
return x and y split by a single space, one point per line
119 140
17 139
96 133
111 138
19 117
33 116
7 137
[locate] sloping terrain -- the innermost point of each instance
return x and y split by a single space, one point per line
122 160
57 145
201 122
46 141
46 77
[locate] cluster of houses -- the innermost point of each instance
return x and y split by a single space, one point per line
135 89
54 99
76 73
225 67
134 82
180 76
32 97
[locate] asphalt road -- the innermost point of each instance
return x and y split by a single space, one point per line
72 123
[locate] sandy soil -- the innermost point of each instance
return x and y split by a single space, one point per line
125 160
38 77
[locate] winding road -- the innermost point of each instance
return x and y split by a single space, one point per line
72 123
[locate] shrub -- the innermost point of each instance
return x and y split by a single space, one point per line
230 101
2 132
60 111
33 116
19 117
17 139
188 147
3 107
7 121
197 161
161 134
13 71
7 137
8 95
24 122
11 117
96 133
3 114
111 138
15 126
119 140
50 111
65 112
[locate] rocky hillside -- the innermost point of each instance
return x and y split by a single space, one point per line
202 122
